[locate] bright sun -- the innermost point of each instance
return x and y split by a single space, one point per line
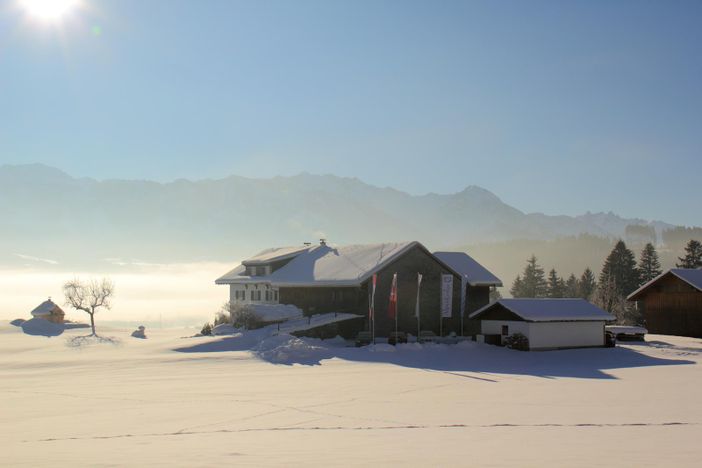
49 10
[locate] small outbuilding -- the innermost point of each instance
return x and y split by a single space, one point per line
547 323
671 303
50 311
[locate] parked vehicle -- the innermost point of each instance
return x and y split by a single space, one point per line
627 333
427 336
397 337
364 338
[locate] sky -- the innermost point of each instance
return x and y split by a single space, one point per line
557 107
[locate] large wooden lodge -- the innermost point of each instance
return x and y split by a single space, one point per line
325 278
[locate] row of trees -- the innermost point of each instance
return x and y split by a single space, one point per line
620 276
533 282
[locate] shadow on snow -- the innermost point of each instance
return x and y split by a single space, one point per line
468 357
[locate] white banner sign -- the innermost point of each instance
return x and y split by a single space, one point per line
446 295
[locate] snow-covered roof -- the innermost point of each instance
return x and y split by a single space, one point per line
473 272
693 277
47 307
275 254
327 265
549 310
234 276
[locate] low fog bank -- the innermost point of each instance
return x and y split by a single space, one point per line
184 294
175 295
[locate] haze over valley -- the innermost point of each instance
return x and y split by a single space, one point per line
165 243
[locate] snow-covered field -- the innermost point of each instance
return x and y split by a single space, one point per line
204 401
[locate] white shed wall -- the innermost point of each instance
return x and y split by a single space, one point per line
565 334
494 327
546 335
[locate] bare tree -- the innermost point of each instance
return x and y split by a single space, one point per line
241 315
89 297
608 297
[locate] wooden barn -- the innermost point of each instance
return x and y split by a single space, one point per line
672 303
325 278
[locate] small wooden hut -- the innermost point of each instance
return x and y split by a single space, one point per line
50 311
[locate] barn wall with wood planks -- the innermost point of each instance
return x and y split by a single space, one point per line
672 307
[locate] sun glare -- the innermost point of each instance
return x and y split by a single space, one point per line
49 10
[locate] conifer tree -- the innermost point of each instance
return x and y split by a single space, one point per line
587 284
649 265
532 282
620 270
556 285
693 255
517 287
571 286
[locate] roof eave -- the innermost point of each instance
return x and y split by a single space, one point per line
246 280
485 283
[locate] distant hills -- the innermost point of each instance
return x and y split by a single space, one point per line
48 216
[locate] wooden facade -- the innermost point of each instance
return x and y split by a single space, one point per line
320 299
671 306
476 298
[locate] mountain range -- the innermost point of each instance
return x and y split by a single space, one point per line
50 217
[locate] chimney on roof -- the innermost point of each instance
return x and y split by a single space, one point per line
322 242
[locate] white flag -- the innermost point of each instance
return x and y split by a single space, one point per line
446 295
419 285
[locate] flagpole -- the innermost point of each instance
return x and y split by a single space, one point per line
397 310
373 314
374 280
416 306
370 309
464 298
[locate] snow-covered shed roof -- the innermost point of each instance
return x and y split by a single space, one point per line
47 307
693 277
549 310
473 272
327 265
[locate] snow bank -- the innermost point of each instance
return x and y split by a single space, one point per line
305 323
287 349
224 329
92 340
626 330
381 348
41 327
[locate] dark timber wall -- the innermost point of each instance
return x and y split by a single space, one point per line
476 297
672 307
317 300
414 261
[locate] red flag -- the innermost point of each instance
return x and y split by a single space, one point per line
392 307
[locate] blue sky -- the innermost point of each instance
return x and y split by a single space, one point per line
558 107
